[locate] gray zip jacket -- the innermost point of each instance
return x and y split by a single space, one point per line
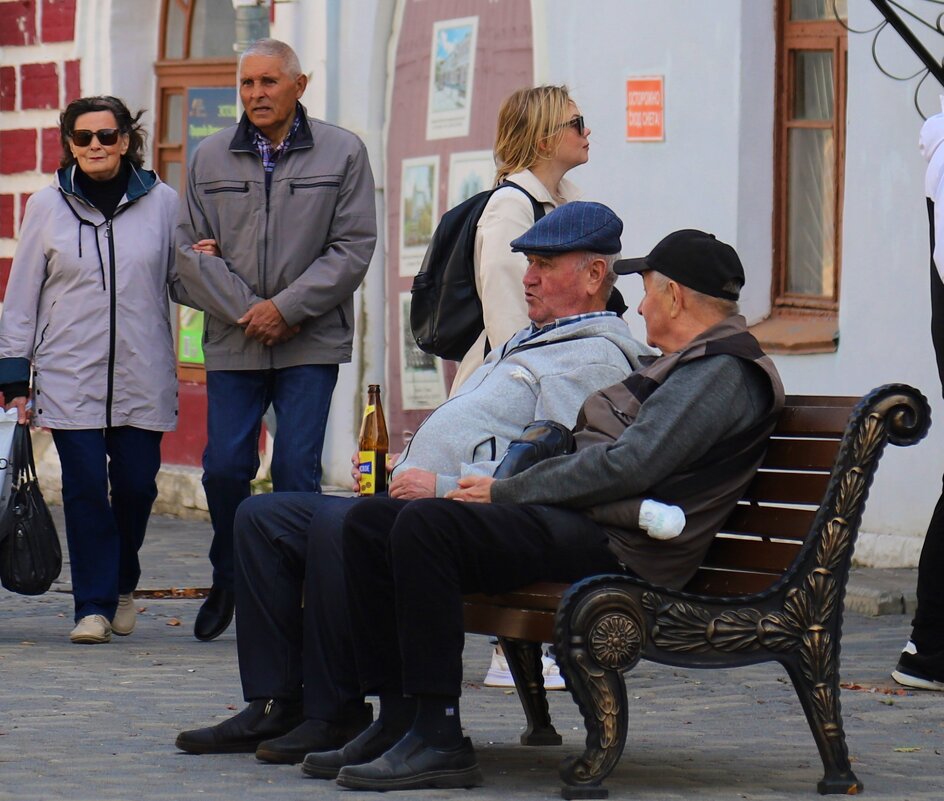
302 238
87 309
543 376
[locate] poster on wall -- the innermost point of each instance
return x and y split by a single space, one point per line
419 210
469 173
451 73
645 109
422 385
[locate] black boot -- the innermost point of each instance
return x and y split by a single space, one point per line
315 735
241 734
215 615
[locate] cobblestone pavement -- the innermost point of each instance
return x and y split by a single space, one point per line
89 723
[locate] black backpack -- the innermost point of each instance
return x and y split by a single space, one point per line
446 311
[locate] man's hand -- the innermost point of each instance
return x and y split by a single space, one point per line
412 484
264 322
207 246
473 489
356 468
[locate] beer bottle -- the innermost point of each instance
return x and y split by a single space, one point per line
372 445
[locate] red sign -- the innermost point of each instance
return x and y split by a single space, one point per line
645 109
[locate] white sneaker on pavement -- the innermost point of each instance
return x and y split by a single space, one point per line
91 630
499 674
126 616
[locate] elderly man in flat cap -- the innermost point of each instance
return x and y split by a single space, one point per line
296 661
690 429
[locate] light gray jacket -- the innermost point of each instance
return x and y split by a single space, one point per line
304 242
532 377
87 307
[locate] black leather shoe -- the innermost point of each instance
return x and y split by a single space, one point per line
241 734
367 746
314 735
215 615
413 765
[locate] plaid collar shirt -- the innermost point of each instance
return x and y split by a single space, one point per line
270 155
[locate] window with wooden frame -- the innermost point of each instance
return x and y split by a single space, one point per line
810 154
196 60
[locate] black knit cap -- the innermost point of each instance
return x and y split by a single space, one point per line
693 259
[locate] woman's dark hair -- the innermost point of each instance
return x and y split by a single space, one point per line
127 124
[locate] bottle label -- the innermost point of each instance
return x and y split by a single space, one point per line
373 472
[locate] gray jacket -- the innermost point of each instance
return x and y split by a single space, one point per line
87 307
532 377
304 242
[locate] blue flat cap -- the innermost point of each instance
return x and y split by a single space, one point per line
579 225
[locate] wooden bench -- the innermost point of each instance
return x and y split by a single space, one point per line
771 589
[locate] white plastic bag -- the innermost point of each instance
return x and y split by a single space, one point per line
7 427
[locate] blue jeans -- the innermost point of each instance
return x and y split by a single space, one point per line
104 537
236 401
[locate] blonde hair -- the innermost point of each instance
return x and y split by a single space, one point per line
527 118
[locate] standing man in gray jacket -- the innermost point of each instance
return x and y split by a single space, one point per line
275 234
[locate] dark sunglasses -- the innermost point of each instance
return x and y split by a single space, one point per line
105 136
576 123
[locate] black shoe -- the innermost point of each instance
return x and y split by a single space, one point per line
413 765
921 671
241 734
215 615
366 747
314 735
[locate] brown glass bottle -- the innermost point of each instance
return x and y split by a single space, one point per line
372 445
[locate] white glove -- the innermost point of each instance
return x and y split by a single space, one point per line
660 521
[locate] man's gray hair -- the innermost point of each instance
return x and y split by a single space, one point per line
609 278
721 306
275 49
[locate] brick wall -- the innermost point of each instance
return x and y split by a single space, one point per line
35 85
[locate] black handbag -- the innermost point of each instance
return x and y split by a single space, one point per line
540 440
30 554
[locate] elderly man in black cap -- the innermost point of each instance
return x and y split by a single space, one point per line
296 662
690 429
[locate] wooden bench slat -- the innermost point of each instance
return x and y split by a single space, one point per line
813 421
753 555
502 621
801 454
783 487
724 582
770 521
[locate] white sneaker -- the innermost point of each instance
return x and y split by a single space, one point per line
499 674
552 675
126 616
91 629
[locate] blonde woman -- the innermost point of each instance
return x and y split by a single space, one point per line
541 136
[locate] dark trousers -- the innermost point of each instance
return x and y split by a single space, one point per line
104 535
236 401
408 565
288 547
928 624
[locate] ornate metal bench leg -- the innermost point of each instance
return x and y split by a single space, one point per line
816 680
598 637
524 661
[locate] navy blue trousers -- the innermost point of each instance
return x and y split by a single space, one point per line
236 401
105 534
288 548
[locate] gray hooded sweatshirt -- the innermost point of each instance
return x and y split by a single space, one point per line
543 376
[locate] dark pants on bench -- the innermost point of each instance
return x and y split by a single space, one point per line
284 542
408 564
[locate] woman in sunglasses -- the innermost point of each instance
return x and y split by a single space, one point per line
86 316
541 136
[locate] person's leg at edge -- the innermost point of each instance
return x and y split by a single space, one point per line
439 550
301 398
91 533
236 401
